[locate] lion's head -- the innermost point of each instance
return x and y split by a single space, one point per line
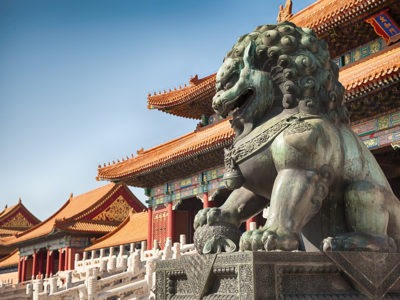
281 66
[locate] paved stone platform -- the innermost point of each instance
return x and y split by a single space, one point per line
280 275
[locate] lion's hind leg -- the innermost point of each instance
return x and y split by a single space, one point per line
367 217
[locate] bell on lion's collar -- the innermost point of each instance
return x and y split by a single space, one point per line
233 179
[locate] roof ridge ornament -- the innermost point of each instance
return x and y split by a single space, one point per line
285 13
194 80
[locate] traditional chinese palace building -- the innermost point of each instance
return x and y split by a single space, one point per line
184 174
50 246
13 220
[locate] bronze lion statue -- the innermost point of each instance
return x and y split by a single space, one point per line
295 152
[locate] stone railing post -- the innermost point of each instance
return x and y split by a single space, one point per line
103 265
29 289
102 252
253 225
176 250
124 262
149 274
120 256
143 247
182 239
112 261
93 255
53 285
76 260
167 249
155 247
68 279
92 285
37 288
136 262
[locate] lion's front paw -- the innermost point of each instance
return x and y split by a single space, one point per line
213 215
280 240
251 240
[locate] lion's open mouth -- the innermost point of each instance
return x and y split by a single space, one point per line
238 106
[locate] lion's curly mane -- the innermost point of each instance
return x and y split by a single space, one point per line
300 65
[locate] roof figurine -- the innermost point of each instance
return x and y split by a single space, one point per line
285 13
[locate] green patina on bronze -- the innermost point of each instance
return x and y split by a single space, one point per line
295 152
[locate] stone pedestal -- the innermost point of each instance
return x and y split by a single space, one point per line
280 275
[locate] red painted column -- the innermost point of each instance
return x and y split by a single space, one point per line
206 202
19 270
34 264
150 229
171 222
66 257
51 262
253 219
41 263
23 277
60 260
71 259
48 263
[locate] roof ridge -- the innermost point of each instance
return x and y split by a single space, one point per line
158 147
194 81
91 208
164 145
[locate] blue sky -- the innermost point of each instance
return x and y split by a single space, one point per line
74 78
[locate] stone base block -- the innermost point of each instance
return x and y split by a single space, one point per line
280 275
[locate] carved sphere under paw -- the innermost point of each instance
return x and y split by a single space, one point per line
216 238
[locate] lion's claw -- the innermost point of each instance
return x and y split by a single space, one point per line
213 215
251 240
280 240
270 240
201 218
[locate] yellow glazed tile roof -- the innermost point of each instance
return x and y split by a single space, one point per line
72 207
133 229
203 139
10 260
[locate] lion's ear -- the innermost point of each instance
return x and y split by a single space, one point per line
248 56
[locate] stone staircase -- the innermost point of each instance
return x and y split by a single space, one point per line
115 276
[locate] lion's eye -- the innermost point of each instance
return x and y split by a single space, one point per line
229 85
231 81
